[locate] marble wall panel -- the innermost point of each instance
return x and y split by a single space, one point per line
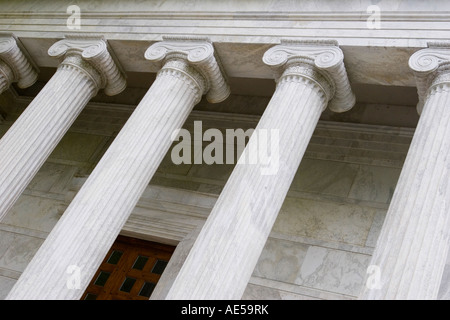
375 229
20 250
256 292
281 260
52 177
329 221
6 285
219 170
327 177
344 153
3 129
312 266
36 213
210 188
170 182
6 239
80 147
168 166
375 183
333 270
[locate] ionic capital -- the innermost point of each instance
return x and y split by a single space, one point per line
431 67
15 65
89 52
199 54
319 61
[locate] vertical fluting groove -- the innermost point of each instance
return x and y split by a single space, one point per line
420 199
4 83
102 206
411 250
34 135
403 280
434 222
413 161
238 226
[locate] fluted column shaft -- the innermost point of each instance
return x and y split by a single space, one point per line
34 135
86 231
228 247
91 223
412 248
86 67
311 75
224 255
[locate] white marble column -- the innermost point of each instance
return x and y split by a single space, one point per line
95 217
86 68
224 255
15 66
412 248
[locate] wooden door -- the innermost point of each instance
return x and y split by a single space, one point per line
130 270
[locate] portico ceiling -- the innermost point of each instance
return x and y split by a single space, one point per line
242 31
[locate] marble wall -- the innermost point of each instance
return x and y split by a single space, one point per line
322 240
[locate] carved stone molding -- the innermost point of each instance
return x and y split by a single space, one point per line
13 55
199 53
95 51
431 66
327 60
177 66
